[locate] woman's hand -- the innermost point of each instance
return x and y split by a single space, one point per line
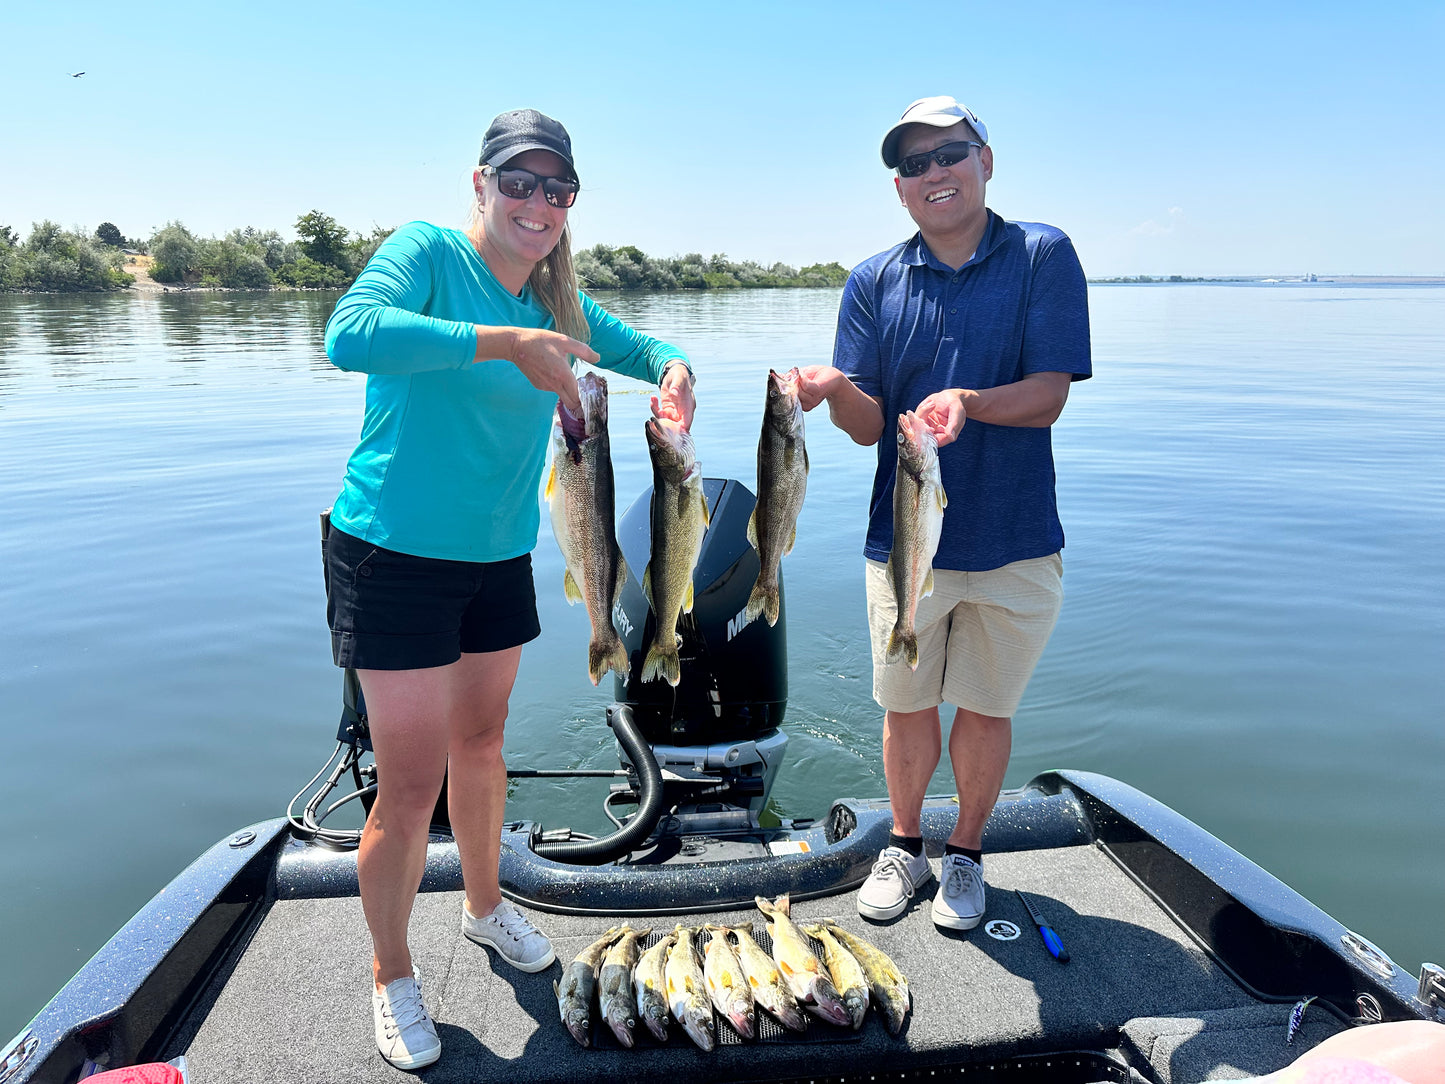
674 400
943 412
543 357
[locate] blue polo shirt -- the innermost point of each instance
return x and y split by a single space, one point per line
909 326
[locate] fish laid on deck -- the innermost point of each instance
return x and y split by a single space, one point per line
579 983
782 481
614 985
886 983
679 521
766 981
801 970
687 990
650 985
727 986
918 504
581 493
846 973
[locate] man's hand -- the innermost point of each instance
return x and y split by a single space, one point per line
543 358
943 412
675 400
816 383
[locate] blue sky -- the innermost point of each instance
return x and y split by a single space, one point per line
1165 138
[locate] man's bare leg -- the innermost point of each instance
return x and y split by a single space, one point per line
912 745
979 748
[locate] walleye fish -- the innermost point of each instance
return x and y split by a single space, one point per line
581 493
782 481
650 985
614 986
687 990
801 970
846 973
579 982
726 984
769 989
887 984
679 521
918 504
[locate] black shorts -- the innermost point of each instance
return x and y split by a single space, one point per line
393 611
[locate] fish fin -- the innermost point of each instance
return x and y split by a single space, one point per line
621 578
757 603
570 588
556 989
786 968
806 467
791 539
927 585
706 514
753 529
551 481
784 903
902 643
941 498
688 599
662 664
647 582
763 905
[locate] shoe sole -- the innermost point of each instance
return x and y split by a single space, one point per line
956 922
420 1061
531 968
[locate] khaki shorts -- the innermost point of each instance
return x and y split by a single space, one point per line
980 635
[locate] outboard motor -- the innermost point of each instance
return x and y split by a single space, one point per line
715 736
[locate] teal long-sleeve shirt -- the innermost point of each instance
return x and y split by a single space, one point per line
451 450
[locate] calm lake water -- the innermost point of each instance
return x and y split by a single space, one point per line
1253 490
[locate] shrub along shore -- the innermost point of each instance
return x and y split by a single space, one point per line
326 255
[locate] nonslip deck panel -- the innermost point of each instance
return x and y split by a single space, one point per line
297 1006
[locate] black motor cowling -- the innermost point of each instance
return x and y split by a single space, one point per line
734 679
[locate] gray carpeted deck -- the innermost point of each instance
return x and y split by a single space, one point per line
297 1008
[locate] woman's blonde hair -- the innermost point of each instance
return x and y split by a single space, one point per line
553 280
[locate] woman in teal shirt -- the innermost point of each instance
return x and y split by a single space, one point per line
466 337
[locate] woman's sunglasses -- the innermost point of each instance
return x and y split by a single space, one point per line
916 165
521 183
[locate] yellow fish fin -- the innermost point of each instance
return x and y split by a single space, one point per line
551 482
687 599
753 529
791 539
570 588
941 497
927 585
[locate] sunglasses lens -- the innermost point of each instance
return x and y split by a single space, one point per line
915 165
516 183
559 193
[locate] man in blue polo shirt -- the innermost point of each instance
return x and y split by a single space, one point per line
979 326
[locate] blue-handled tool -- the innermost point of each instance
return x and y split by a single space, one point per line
1051 939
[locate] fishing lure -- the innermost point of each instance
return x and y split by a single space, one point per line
1296 1017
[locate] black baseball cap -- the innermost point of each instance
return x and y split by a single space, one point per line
520 130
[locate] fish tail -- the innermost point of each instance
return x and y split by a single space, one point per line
602 657
903 642
662 662
762 602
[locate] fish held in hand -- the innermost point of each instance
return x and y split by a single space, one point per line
918 504
782 482
650 986
727 986
679 521
766 981
886 984
582 496
614 985
687 990
579 983
801 970
846 973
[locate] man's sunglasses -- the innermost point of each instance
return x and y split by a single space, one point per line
521 183
916 165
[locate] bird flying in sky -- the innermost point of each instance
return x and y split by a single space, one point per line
76 75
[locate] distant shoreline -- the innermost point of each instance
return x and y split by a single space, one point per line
1270 280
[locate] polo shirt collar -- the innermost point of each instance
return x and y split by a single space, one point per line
917 254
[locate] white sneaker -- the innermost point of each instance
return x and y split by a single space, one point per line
890 886
512 934
405 1034
959 903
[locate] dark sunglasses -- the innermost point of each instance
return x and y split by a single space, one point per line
916 165
521 183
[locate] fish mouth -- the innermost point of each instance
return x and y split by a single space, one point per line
943 195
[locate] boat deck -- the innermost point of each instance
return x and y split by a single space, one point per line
1138 990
